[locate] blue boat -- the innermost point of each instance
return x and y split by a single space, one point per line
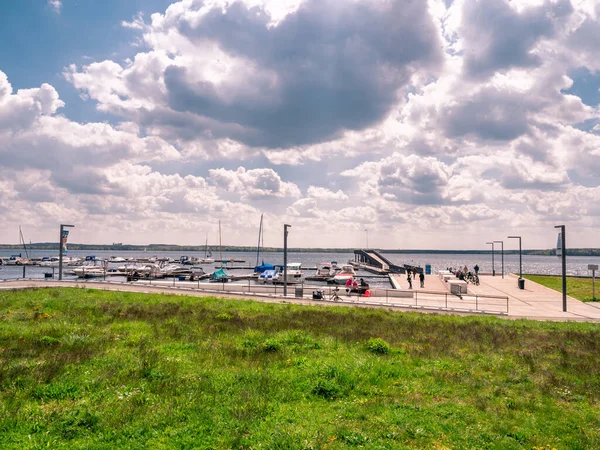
220 276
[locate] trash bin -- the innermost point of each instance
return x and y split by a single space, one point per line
521 283
181 278
427 269
299 291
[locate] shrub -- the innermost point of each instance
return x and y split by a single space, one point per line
325 388
271 345
224 316
378 346
49 340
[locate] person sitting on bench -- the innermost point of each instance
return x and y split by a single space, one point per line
363 286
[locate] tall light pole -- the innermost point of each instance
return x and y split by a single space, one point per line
502 242
493 269
60 247
520 282
285 235
563 245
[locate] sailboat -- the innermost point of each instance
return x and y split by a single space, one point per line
261 268
220 275
207 254
23 261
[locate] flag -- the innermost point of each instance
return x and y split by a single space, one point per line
63 243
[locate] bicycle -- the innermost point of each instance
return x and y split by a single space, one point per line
473 278
334 295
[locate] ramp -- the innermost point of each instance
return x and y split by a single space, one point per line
376 259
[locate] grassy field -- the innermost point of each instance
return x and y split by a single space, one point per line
579 288
102 370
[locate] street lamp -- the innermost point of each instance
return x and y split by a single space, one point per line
502 242
61 243
285 235
521 282
563 247
493 269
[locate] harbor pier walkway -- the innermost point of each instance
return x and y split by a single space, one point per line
494 296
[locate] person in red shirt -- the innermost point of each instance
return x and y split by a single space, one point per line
348 286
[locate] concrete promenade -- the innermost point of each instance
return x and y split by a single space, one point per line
534 302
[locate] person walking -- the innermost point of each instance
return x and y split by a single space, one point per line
422 279
409 279
476 269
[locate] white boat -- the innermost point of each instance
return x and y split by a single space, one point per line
175 270
293 274
116 259
12 261
49 262
92 269
325 270
269 276
207 255
343 275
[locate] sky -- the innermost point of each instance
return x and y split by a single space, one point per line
394 124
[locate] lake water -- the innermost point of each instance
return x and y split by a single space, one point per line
547 265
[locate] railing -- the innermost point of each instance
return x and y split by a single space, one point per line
416 299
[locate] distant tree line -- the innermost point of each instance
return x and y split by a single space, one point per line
234 248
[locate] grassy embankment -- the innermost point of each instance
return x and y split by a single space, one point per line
90 369
579 288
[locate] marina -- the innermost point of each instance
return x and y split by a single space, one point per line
318 270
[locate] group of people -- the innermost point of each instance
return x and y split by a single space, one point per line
353 286
464 273
414 273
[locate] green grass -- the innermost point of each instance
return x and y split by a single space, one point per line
102 370
579 288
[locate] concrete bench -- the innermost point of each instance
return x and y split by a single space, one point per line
457 287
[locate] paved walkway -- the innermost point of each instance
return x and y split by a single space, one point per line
534 302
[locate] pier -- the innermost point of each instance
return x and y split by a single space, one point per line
373 261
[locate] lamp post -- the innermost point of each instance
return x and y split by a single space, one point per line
521 283
593 268
285 235
563 255
502 243
493 269
60 248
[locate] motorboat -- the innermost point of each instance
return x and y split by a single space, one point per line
49 261
175 270
269 276
347 272
93 268
116 259
14 260
325 270
293 274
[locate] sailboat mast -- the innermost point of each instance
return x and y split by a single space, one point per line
23 241
220 245
206 248
259 235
